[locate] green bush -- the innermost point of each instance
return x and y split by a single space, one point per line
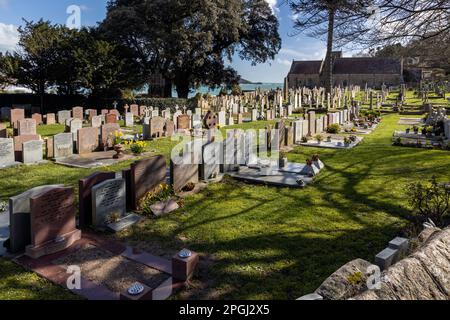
334 128
430 201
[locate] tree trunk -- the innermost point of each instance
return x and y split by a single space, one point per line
182 88
328 72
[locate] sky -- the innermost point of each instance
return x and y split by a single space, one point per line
301 47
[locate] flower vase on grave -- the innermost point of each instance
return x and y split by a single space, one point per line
120 151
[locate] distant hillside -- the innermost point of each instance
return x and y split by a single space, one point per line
243 81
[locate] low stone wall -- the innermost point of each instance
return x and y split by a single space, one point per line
424 275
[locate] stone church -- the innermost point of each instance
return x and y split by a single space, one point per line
347 71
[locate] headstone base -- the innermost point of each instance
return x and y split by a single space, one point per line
146 295
124 223
35 252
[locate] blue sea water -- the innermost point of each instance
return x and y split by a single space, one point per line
244 87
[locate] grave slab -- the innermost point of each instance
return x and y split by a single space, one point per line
278 179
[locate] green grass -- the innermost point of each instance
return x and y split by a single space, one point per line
18 284
258 242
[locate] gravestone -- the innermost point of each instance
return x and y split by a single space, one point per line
298 131
5 113
18 144
289 136
7 157
142 110
157 127
212 159
87 140
104 112
281 127
49 148
145 176
37 117
196 121
166 114
108 202
311 123
19 217
16 115
116 113
32 151
110 118
240 118
3 131
52 221
62 145
129 119
78 113
175 118
107 133
75 125
96 121
183 122
63 116
169 128
254 115
85 195
91 113
181 174
134 109
222 119
50 119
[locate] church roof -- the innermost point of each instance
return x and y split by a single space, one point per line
305 67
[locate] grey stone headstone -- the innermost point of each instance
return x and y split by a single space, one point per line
75 125
32 151
96 121
4 231
63 116
129 119
108 200
62 145
19 217
212 158
6 152
6 113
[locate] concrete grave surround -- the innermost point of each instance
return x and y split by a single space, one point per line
53 225
62 145
32 151
7 157
145 176
108 200
19 216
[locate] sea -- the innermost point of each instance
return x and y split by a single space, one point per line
244 87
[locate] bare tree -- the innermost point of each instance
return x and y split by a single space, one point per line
336 21
407 20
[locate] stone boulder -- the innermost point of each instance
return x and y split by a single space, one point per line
425 275
347 282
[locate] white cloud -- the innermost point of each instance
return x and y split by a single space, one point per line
273 5
310 52
285 62
9 36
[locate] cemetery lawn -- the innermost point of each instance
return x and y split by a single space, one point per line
272 243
